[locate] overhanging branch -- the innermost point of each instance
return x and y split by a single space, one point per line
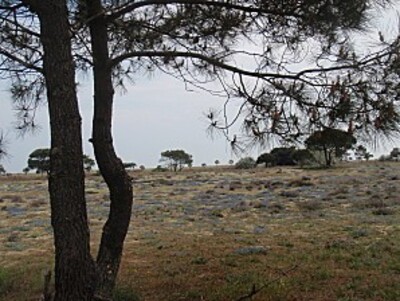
20 61
249 9
263 75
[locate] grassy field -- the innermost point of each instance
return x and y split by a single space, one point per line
214 234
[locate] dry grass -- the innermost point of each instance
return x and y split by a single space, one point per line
187 228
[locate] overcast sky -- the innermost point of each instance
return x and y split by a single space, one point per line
153 115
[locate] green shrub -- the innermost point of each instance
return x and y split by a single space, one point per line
159 168
246 163
267 159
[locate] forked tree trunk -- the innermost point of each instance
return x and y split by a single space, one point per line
74 267
110 166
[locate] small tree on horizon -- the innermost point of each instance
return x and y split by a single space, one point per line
361 152
2 170
216 162
129 165
176 159
331 142
39 160
395 154
88 163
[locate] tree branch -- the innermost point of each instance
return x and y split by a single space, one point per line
217 63
20 61
249 9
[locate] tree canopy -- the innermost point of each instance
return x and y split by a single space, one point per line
201 41
331 142
176 159
88 163
39 160
129 165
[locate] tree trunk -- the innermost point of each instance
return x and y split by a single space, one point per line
327 157
74 266
110 166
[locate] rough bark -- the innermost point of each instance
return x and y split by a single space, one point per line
110 166
74 266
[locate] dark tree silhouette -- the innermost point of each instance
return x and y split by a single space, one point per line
176 159
39 160
331 142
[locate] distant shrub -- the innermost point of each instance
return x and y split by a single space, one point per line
303 157
246 163
284 156
267 159
159 168
384 158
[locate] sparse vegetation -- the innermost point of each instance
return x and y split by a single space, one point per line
209 235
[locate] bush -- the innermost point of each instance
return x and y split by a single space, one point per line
303 157
246 163
284 156
267 159
159 168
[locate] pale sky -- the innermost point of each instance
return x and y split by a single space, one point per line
153 115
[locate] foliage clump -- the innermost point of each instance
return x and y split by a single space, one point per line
245 163
176 159
286 156
330 142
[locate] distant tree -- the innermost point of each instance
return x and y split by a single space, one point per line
39 160
331 142
383 158
245 163
216 162
395 154
129 165
267 159
88 163
230 162
142 167
303 157
203 164
2 170
284 156
361 152
176 159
